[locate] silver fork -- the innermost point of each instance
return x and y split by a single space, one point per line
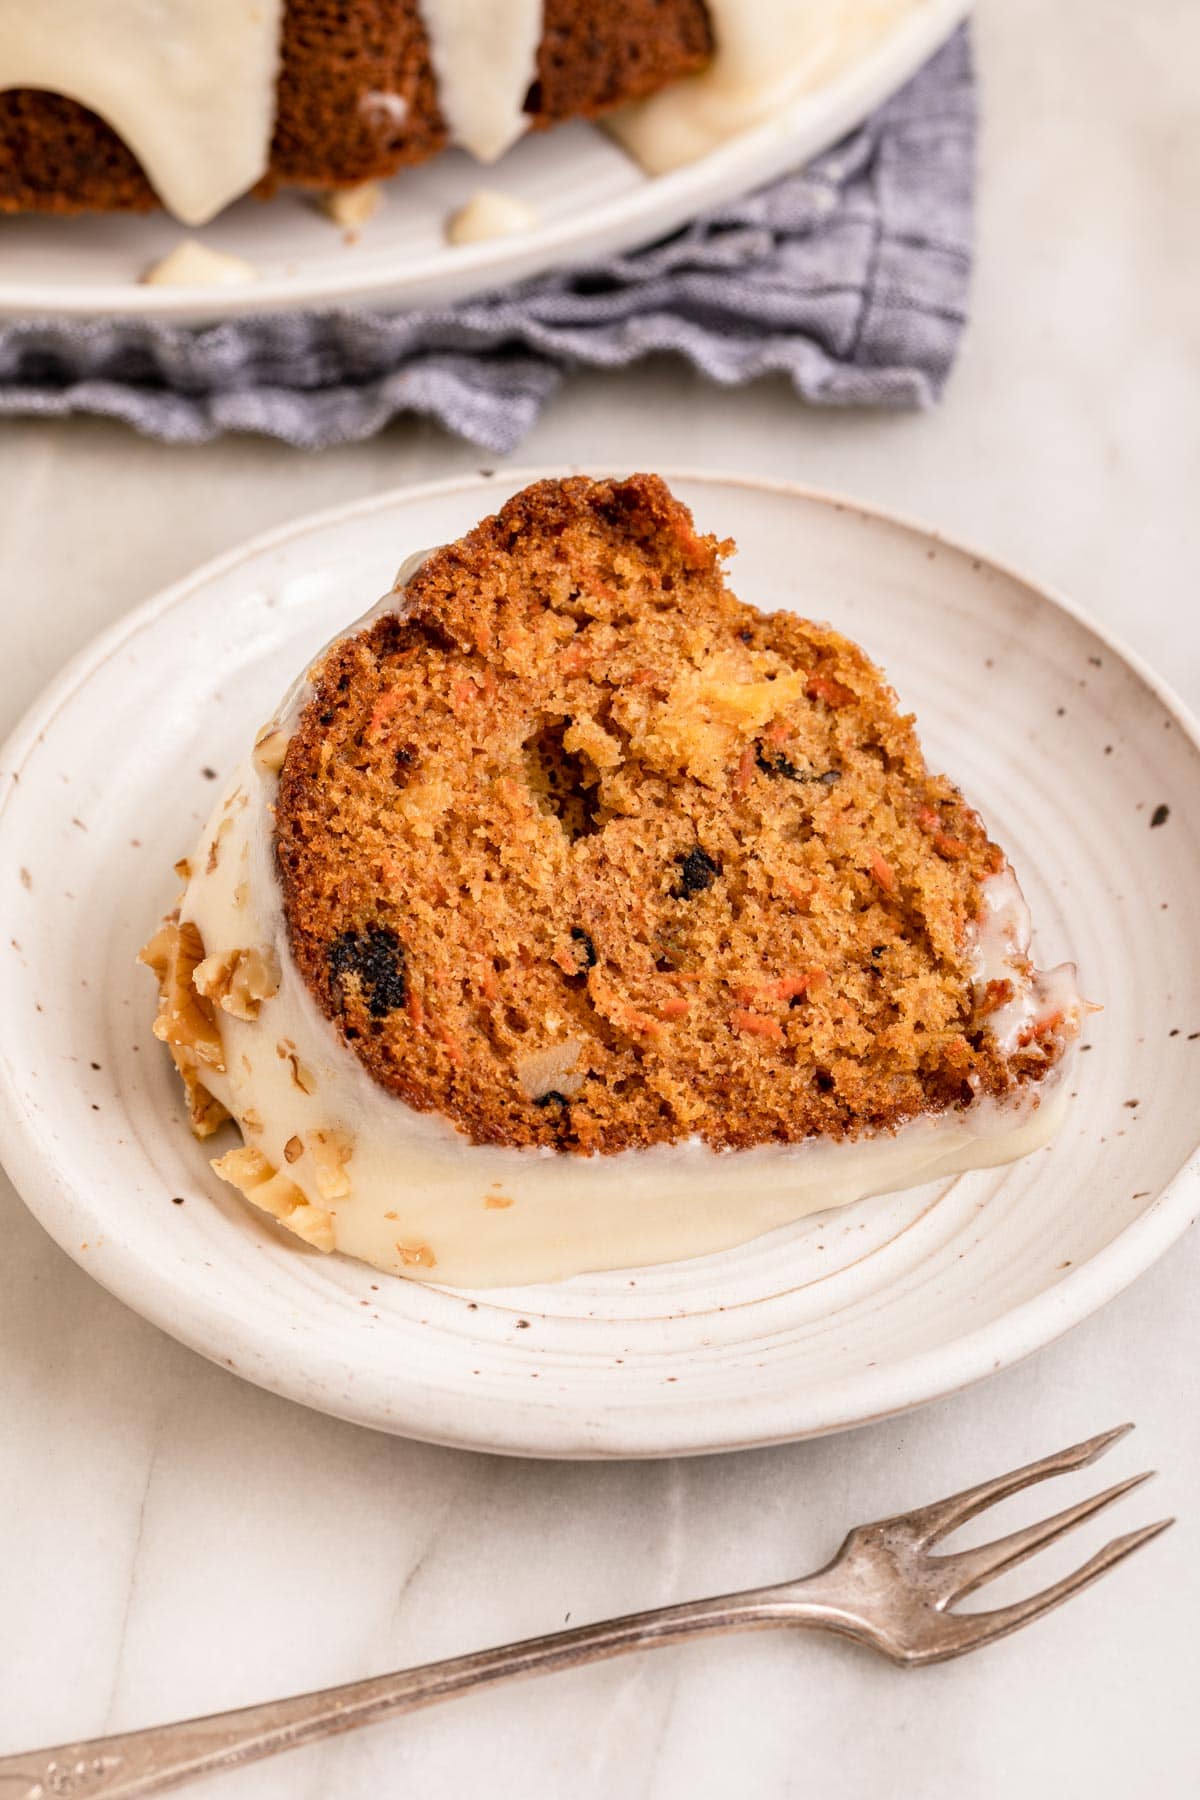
884 1588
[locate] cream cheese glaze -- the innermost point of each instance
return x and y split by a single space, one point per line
189 85
191 264
419 1199
490 214
485 60
1001 955
766 54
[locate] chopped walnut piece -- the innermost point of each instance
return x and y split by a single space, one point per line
416 1256
330 1150
183 869
548 1071
302 1075
293 1150
185 1021
270 749
238 981
205 1112
214 849
248 1170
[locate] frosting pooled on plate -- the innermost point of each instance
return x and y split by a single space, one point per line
348 1166
459 1194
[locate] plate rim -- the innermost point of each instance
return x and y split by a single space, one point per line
661 204
896 1388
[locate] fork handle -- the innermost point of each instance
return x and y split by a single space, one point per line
139 1763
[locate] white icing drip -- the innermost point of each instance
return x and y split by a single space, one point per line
490 214
352 207
189 85
767 54
404 575
485 59
194 265
418 1186
1042 1000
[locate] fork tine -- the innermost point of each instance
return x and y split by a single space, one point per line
966 1570
928 1523
982 1628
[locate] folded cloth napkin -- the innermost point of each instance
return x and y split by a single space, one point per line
849 276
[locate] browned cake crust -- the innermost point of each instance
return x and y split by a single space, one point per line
56 156
595 57
328 133
579 850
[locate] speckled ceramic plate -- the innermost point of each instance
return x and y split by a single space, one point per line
591 201
1085 767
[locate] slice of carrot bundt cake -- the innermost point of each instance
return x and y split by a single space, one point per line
574 913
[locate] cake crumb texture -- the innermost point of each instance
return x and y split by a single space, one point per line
579 850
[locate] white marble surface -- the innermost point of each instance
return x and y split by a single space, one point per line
177 1541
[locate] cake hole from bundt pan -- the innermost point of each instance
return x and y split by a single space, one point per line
560 780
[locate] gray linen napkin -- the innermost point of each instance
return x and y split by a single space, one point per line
850 277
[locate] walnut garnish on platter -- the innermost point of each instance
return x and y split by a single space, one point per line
186 1022
238 981
330 1150
302 1075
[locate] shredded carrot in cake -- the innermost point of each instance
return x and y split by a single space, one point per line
756 1025
577 808
882 870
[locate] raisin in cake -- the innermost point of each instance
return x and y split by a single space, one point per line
573 913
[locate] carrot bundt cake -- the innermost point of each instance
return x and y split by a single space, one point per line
573 913
114 105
